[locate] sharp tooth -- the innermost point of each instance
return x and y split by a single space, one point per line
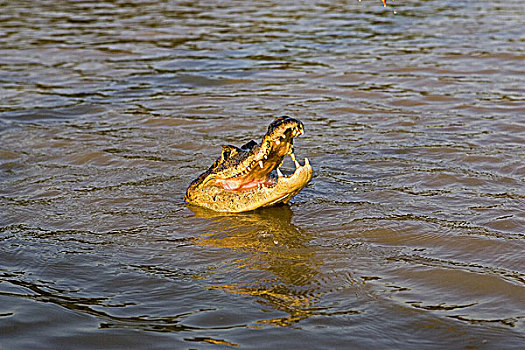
297 165
261 164
265 156
279 172
306 162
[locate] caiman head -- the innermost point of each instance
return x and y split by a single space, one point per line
249 177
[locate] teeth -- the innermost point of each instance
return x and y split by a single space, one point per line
265 156
297 165
261 164
279 172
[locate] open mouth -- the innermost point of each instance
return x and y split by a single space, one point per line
249 177
261 166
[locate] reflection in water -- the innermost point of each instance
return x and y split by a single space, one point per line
268 242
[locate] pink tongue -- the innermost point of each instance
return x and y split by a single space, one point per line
238 185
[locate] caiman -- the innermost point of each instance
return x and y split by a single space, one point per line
247 178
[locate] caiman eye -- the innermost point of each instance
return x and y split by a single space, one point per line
228 151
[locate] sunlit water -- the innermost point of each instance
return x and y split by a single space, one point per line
411 234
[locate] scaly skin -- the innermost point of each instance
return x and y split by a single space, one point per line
240 179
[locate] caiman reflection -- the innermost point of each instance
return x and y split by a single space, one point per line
266 240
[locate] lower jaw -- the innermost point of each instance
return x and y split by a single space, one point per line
218 199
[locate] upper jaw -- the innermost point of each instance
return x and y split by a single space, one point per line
255 166
276 143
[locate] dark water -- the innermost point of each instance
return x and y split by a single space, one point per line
410 236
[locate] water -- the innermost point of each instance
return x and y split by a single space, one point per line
410 236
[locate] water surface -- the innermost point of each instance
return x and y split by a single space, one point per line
411 234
